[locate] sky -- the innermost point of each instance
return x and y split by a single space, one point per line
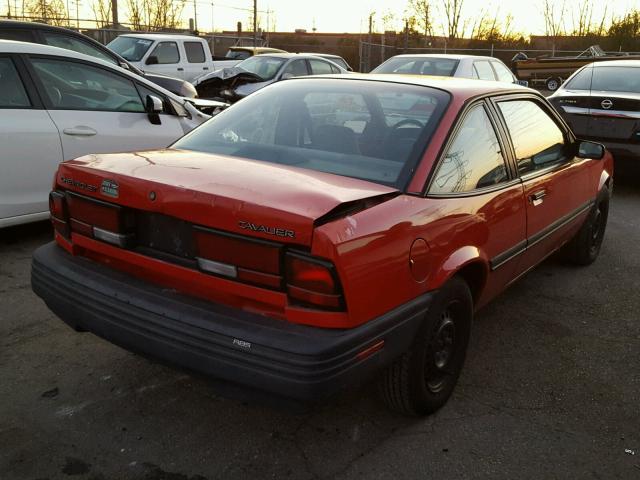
351 15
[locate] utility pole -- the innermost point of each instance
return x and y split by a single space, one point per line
369 40
406 35
255 23
114 13
195 17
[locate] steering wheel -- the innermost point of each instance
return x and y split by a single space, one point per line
407 121
129 105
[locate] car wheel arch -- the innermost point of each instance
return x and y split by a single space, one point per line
471 264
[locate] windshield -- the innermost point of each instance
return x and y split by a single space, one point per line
237 54
265 67
369 130
130 48
444 67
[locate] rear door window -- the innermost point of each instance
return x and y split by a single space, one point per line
474 160
12 91
537 140
166 52
195 52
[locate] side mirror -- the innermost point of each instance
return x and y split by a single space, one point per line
287 76
154 107
152 60
592 150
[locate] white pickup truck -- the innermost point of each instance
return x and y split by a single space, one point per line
182 56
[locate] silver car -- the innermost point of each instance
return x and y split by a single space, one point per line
465 66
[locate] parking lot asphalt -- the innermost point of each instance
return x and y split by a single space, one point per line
551 389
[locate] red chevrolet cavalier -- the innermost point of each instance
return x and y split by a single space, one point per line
324 230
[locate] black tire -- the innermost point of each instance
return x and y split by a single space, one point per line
584 247
553 84
423 378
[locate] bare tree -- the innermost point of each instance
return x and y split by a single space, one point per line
102 12
155 14
453 13
48 11
554 18
420 13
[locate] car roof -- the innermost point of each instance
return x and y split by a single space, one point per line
161 36
12 46
33 25
615 63
463 88
444 55
320 54
257 49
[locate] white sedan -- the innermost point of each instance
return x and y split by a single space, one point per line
57 105
465 66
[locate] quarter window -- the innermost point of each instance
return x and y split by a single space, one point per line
483 71
195 52
504 75
12 92
537 140
166 52
474 159
77 86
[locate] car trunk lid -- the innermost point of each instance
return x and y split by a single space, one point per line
240 196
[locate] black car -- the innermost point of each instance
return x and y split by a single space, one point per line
601 102
71 40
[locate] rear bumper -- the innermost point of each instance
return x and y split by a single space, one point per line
288 360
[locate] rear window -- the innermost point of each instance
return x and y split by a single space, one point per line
444 67
195 52
616 79
368 130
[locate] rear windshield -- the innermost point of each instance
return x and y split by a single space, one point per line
369 130
616 79
130 48
238 54
443 67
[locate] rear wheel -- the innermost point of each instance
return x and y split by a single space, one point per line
423 378
583 249
553 84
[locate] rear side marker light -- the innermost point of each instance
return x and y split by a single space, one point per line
367 352
217 267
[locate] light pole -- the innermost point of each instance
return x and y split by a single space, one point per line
255 23
195 17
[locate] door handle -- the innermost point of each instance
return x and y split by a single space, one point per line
205 68
538 197
80 131
180 69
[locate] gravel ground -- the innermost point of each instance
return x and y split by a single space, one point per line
550 390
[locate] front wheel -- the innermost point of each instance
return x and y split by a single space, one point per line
423 378
583 249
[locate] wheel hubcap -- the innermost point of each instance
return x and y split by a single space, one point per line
441 352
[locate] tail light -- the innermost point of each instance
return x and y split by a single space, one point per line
59 213
251 261
100 220
312 281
